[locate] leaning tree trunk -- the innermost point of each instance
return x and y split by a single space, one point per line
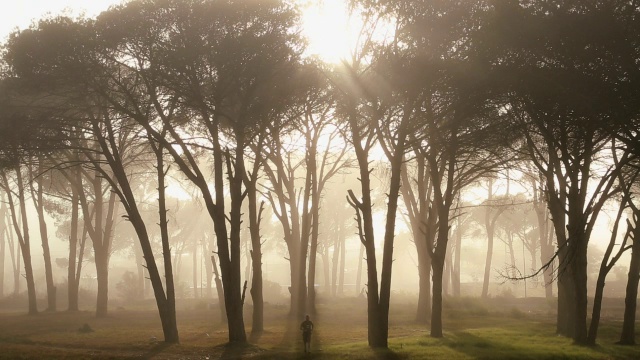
23 237
627 337
597 307
487 263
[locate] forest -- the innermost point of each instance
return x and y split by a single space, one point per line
173 152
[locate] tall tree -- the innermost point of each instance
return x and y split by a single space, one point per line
564 120
213 67
458 137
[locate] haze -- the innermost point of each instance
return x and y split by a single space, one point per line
194 178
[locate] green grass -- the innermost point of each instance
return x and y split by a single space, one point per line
474 329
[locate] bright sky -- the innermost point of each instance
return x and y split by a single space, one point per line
325 21
20 13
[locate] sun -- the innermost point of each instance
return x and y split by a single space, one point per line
331 31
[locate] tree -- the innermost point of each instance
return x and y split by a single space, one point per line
460 132
18 210
304 142
73 77
627 336
215 68
564 121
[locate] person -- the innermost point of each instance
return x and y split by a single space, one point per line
307 328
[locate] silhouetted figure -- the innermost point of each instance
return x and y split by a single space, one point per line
307 328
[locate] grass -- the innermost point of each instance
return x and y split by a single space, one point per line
474 329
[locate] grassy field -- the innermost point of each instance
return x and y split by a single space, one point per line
494 329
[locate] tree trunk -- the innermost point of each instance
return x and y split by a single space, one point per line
490 232
579 264
3 211
102 250
326 272
23 237
72 289
166 305
423 312
255 215
546 252
334 267
313 252
565 315
342 266
296 296
456 263
313 224
446 275
219 289
257 294
38 201
487 264
102 272
627 337
359 274
436 313
375 334
195 269
597 306
142 284
16 270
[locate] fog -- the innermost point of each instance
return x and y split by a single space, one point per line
193 240
270 160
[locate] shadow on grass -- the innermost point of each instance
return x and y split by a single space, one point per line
483 348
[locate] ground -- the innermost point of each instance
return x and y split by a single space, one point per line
474 329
